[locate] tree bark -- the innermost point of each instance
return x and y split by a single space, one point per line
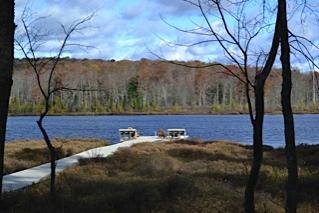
257 123
292 184
257 147
7 28
52 151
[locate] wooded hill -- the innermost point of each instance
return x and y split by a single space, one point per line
149 86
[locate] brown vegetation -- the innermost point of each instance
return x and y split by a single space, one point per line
150 87
173 177
21 155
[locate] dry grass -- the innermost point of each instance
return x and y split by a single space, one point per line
173 177
21 155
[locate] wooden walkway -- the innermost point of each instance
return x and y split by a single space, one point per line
19 180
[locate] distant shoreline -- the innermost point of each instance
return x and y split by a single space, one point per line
153 113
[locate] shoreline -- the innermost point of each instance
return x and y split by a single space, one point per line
153 113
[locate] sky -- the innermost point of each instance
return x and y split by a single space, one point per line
135 29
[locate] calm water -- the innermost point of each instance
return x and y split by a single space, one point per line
211 127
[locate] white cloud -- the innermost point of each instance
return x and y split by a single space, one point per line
126 29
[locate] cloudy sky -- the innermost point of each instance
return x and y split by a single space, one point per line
131 29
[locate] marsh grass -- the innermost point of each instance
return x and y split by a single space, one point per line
20 155
181 176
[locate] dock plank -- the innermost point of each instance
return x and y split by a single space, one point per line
24 178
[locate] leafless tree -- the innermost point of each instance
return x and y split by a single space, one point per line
239 32
316 79
7 28
29 43
232 39
291 200
293 44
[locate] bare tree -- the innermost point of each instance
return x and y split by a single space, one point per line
246 30
291 200
45 70
258 122
315 74
292 44
287 40
7 28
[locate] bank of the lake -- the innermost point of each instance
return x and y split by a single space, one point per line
183 176
169 112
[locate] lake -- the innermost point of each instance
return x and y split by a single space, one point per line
208 127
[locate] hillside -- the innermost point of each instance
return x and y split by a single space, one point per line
148 86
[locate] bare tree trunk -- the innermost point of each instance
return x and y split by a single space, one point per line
291 197
217 94
7 28
313 88
317 84
51 148
257 147
5 88
259 119
224 95
230 95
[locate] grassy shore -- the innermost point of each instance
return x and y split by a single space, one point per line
21 155
184 176
157 113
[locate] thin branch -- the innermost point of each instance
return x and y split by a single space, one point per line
202 67
58 89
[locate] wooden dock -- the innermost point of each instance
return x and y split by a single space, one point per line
22 179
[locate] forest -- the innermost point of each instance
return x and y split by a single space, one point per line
151 86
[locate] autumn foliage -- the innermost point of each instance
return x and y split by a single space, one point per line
150 86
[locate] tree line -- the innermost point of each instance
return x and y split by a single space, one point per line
109 86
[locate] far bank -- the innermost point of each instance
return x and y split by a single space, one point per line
277 112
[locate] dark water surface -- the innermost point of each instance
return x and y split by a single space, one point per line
210 127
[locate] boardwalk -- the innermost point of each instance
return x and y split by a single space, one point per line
27 177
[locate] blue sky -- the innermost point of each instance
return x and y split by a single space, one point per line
124 29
